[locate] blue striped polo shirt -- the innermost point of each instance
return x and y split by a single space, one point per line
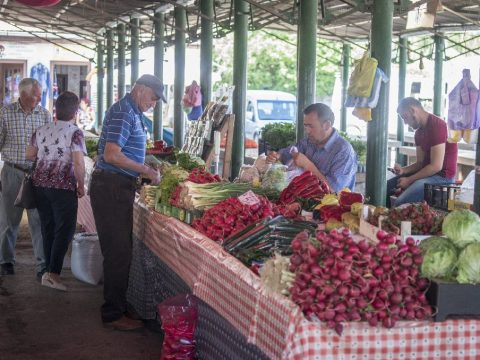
123 126
336 160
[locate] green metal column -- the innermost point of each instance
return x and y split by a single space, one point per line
134 50
178 89
206 47
476 191
345 74
377 131
99 82
121 60
402 76
109 68
438 76
158 72
240 41
306 58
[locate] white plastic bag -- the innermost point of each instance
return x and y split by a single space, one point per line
261 164
87 258
248 174
467 189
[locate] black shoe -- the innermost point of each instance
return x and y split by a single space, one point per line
7 269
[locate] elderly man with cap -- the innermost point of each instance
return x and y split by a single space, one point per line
121 156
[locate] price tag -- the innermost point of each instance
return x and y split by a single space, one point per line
249 198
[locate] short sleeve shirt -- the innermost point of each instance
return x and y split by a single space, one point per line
55 143
123 125
16 130
435 133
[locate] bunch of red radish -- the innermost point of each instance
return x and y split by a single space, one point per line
340 280
231 216
201 176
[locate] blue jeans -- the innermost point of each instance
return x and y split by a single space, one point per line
415 192
10 217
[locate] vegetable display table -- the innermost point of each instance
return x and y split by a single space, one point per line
171 257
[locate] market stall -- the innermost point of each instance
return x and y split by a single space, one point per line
283 268
270 322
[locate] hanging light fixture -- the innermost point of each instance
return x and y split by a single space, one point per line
39 3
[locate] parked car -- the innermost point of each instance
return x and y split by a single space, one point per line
266 107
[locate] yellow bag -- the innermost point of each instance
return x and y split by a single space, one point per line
363 113
361 80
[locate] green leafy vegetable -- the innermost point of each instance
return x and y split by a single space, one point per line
92 146
439 257
170 179
462 227
469 265
275 178
279 135
188 162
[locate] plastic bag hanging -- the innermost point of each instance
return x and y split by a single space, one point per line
362 77
463 105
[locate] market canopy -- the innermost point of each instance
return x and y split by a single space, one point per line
343 20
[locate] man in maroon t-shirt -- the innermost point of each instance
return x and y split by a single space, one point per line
436 157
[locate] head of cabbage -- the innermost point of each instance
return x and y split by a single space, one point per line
439 258
469 265
462 227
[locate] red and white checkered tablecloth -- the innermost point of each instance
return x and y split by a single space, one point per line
85 214
274 323
453 339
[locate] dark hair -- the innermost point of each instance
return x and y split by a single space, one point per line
407 103
324 113
66 106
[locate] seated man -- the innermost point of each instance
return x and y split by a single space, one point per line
436 158
323 151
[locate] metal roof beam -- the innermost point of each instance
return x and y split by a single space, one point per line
50 32
461 16
68 23
117 18
70 10
269 10
49 41
49 24
461 54
460 44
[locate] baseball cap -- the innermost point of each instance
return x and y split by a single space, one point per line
153 83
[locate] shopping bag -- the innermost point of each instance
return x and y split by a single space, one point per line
361 80
179 317
26 196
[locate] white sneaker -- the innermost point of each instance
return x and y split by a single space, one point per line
48 281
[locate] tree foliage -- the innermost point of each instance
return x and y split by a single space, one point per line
272 62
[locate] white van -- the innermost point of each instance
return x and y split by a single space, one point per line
266 107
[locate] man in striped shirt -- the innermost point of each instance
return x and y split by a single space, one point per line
121 156
18 122
323 151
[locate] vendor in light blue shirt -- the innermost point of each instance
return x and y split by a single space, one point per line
323 151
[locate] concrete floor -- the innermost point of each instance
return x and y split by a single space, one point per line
40 323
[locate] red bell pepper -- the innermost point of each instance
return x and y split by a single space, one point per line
347 198
331 212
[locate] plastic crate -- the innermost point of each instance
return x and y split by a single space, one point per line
437 196
453 299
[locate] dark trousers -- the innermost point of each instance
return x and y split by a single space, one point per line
112 198
57 209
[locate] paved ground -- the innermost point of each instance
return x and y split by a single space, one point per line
41 323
